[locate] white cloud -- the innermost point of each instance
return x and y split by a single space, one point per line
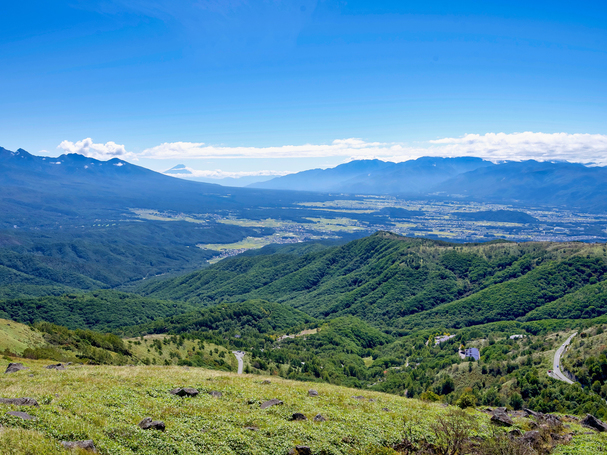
341 147
105 151
219 174
584 148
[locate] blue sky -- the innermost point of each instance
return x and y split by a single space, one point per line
271 85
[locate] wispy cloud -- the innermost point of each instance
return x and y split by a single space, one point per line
219 174
341 147
105 151
583 148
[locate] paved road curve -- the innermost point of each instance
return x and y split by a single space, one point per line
556 371
239 356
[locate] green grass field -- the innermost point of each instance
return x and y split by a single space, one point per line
106 403
16 337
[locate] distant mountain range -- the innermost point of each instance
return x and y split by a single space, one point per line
526 182
36 190
184 172
378 177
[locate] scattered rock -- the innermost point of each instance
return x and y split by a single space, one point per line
148 423
267 381
215 394
269 403
529 413
298 416
252 428
14 367
532 438
591 421
31 375
312 393
500 417
532 424
371 400
561 438
359 397
319 418
300 450
549 419
85 445
515 433
21 415
386 410
184 392
55 366
19 401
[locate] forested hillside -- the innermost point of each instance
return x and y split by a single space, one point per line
99 310
403 283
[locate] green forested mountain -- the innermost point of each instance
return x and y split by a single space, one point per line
403 283
366 314
234 318
99 310
103 256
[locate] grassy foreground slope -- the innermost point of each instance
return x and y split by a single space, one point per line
15 337
106 403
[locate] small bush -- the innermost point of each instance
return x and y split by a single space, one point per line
467 400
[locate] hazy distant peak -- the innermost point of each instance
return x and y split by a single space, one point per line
180 169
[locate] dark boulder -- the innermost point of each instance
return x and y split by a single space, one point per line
530 413
21 415
532 438
591 421
149 424
55 366
319 418
273 402
83 445
215 394
19 401
500 417
14 367
184 392
359 397
312 393
385 410
266 381
300 450
298 416
515 433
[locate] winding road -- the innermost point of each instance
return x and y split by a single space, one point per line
556 371
239 356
